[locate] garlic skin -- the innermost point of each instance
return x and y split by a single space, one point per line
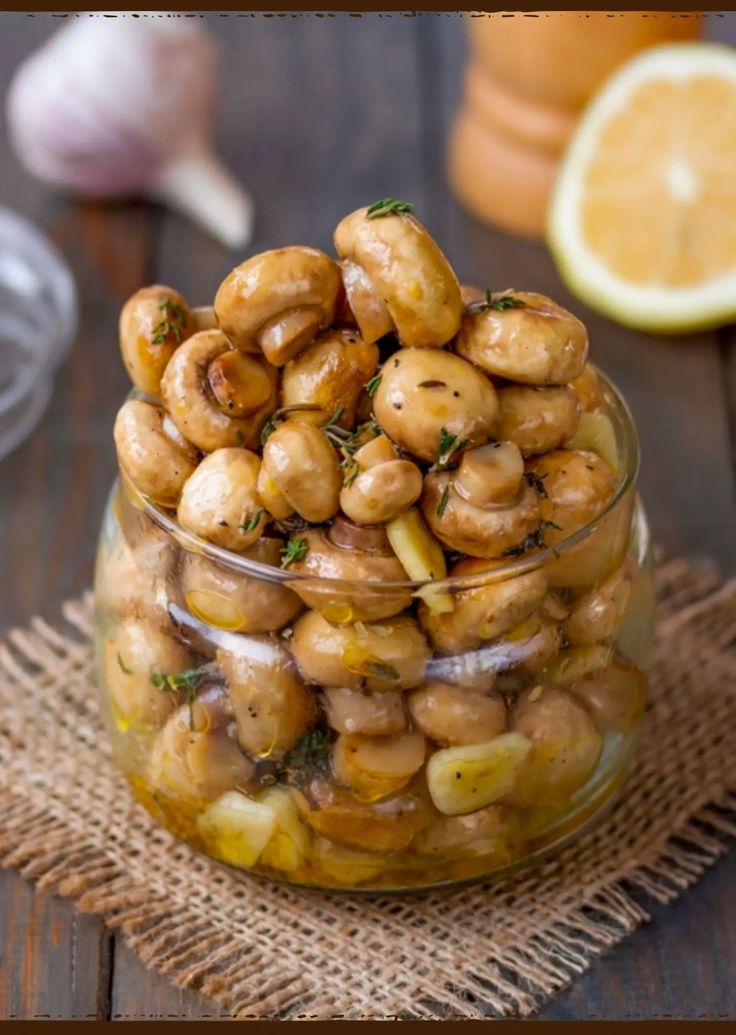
112 107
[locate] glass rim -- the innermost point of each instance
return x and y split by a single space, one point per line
502 568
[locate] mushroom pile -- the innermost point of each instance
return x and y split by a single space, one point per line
363 684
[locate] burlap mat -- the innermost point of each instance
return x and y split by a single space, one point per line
68 822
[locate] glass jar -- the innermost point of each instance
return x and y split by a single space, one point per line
371 734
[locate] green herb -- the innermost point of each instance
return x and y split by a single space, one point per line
388 207
371 386
189 681
504 302
253 523
381 670
278 415
344 440
240 438
535 540
171 322
123 667
448 445
442 505
351 467
535 482
295 550
310 754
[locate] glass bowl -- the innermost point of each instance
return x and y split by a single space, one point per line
38 319
371 734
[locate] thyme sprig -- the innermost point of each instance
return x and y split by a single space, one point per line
310 755
388 207
281 414
442 505
535 482
449 444
172 322
504 302
253 523
371 386
535 540
351 467
294 551
189 681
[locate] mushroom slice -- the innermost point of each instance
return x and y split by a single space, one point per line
214 399
277 302
403 266
451 714
434 404
157 465
463 779
220 500
390 655
272 707
153 323
330 375
529 339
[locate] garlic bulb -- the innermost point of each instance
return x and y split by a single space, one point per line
111 107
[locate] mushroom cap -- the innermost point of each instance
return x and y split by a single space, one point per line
538 419
358 711
153 323
366 599
577 484
220 500
301 463
156 464
424 391
477 531
278 301
407 270
330 373
382 492
450 714
538 343
189 398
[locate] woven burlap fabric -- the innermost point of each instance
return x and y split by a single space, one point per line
263 950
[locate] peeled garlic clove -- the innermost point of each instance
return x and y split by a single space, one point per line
114 108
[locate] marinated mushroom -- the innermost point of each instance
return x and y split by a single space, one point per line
132 655
378 486
489 831
153 323
536 342
330 375
397 279
194 757
278 302
300 473
363 561
377 767
215 398
226 598
451 714
272 707
565 746
537 419
220 500
577 487
482 613
595 616
391 655
589 389
359 711
149 454
134 581
434 404
459 506
614 697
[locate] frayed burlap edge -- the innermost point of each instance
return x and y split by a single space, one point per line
262 950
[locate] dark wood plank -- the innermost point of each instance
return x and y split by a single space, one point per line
54 962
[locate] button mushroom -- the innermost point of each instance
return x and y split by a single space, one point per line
300 473
485 507
537 419
330 374
485 612
148 453
537 342
215 398
391 655
362 561
396 278
134 581
378 485
272 706
451 714
434 403
595 616
278 302
565 746
614 697
220 500
376 767
225 598
358 711
577 487
589 388
153 323
486 832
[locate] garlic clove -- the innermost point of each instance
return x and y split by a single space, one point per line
118 107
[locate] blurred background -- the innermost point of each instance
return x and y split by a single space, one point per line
317 115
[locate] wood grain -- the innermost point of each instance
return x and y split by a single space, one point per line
319 115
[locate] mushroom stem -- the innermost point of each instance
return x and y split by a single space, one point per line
201 187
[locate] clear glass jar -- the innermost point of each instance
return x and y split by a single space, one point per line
369 734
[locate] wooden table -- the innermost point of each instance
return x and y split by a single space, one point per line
319 115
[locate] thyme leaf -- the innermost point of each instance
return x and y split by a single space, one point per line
448 445
310 754
535 540
294 551
351 467
172 322
442 505
381 670
504 302
253 523
371 386
278 415
123 667
388 207
189 681
535 482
